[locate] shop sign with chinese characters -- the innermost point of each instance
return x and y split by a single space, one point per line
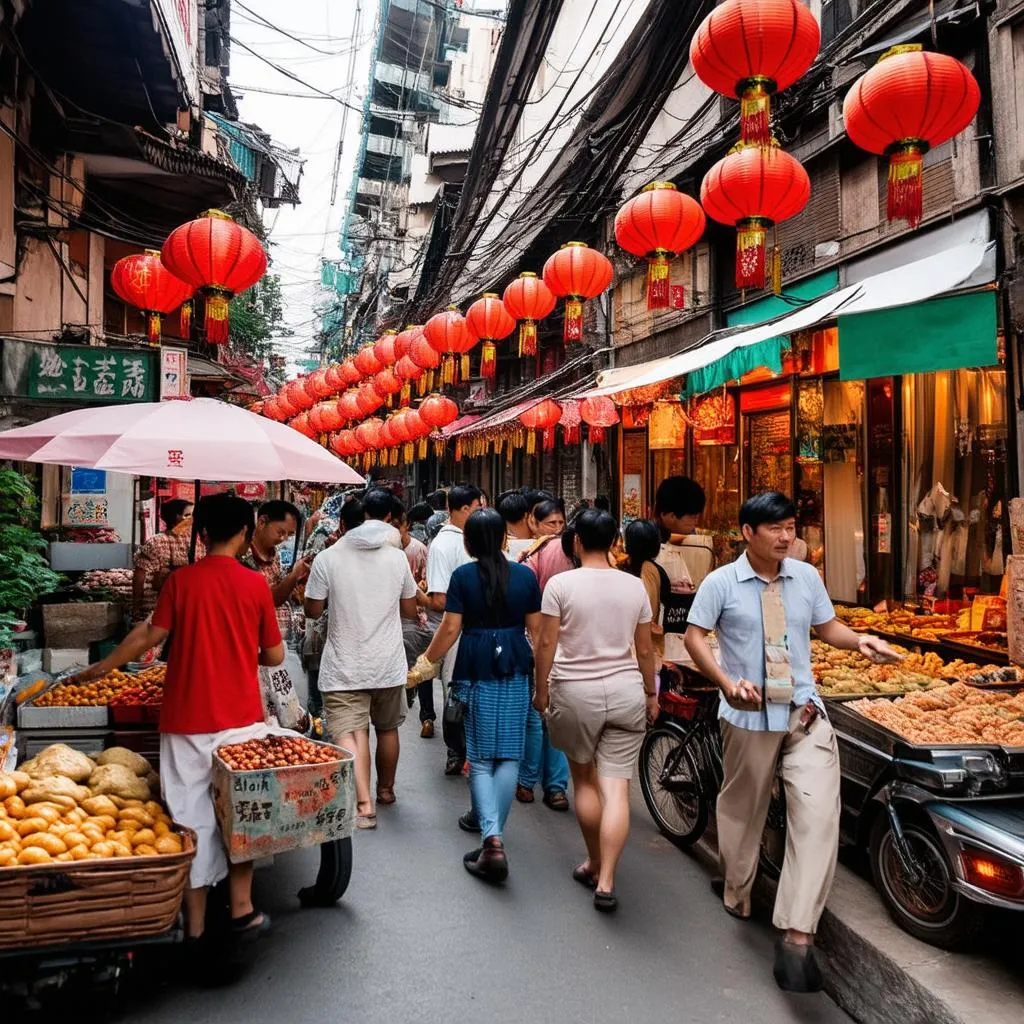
84 374
86 510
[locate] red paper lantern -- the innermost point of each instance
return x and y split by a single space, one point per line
909 102
449 336
421 352
404 340
570 421
751 49
576 272
754 187
368 399
387 383
334 379
297 394
330 416
336 443
385 438
659 224
301 424
598 413
384 349
271 408
543 416
348 406
488 319
407 371
529 299
349 373
220 258
368 434
366 361
316 384
313 419
347 442
286 409
438 411
144 282
417 428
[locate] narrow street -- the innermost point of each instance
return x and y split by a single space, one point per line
416 939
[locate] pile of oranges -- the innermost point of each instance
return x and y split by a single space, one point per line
98 693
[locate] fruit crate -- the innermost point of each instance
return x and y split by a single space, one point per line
273 810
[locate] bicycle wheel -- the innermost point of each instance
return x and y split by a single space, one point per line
670 780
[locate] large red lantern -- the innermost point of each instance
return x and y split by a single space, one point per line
387 383
297 394
570 421
220 258
368 434
345 442
908 103
271 409
330 416
404 340
449 336
576 273
529 299
349 373
366 361
598 413
301 424
751 49
544 417
335 381
338 444
659 224
408 370
438 411
422 353
314 420
316 384
285 408
488 320
384 349
368 399
754 187
144 282
348 406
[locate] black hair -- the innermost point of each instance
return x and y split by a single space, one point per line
767 507
278 511
513 507
596 530
603 503
438 501
221 516
643 543
172 511
420 512
679 496
352 513
548 507
534 498
379 504
485 541
397 510
462 495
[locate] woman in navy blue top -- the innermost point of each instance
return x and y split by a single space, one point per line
492 603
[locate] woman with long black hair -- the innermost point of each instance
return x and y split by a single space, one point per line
493 603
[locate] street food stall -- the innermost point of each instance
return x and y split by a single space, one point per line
91 865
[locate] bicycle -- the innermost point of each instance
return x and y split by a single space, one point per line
681 772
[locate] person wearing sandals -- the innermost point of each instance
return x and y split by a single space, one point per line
597 694
491 605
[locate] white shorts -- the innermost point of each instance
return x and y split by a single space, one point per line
186 774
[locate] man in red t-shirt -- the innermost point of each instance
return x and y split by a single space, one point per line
221 619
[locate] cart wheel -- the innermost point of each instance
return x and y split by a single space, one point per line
333 878
670 780
927 906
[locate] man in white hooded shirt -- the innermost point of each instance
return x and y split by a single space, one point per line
365 584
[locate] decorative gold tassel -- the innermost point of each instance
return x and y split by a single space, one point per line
528 338
658 279
751 233
573 330
755 112
531 442
905 194
776 269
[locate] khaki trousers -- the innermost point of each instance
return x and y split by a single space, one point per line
810 774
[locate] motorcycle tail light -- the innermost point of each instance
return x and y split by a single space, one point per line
993 874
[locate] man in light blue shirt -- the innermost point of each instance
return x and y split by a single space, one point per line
784 722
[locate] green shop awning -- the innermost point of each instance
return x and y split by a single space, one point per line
950 333
765 354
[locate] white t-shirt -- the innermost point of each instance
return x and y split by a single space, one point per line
447 551
362 579
518 546
599 611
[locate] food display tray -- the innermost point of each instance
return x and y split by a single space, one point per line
62 717
273 810
977 652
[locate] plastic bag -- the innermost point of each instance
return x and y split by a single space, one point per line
283 688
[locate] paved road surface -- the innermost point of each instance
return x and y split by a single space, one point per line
416 939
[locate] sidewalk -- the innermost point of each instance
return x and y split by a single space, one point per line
881 975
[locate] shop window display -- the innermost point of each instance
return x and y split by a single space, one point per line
954 457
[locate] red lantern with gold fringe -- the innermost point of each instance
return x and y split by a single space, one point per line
751 49
366 361
330 416
407 371
489 320
543 416
570 421
659 224
335 381
754 187
348 406
437 411
301 424
271 408
387 384
144 282
218 257
286 409
908 103
576 273
450 337
350 373
528 299
368 433
422 353
297 394
313 418
404 340
384 349
599 413
316 384
368 399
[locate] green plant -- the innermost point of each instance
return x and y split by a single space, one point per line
24 572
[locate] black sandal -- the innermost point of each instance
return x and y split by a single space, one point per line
253 925
488 862
584 877
556 800
796 968
606 902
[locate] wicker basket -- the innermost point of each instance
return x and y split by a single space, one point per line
93 900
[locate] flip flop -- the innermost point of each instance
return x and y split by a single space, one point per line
584 877
366 821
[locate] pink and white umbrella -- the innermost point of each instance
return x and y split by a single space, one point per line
201 439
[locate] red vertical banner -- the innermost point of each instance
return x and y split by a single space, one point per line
677 296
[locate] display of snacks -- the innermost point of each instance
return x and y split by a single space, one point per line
899 621
62 806
275 752
115 581
98 693
994 675
949 715
147 687
988 639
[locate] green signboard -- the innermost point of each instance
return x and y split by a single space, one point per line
84 374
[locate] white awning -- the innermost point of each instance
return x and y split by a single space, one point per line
915 282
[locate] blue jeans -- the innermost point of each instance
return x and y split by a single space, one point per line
541 761
492 785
